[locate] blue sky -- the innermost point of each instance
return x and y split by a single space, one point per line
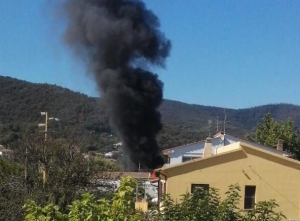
233 54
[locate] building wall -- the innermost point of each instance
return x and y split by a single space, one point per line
192 150
273 177
227 148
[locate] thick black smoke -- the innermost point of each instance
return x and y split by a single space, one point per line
115 37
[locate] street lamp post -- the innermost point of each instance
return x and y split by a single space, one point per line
46 122
45 125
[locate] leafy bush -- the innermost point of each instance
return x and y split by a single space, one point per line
200 206
120 208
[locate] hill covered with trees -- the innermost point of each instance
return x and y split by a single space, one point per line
84 118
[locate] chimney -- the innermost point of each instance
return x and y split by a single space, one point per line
207 148
280 145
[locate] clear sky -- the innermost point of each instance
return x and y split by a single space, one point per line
233 54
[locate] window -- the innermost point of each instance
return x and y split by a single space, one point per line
196 186
184 159
249 202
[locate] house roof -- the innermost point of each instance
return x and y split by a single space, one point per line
242 143
217 136
167 151
282 153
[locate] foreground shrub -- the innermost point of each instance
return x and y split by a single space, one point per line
200 206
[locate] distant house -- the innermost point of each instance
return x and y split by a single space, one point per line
108 154
6 153
111 181
118 145
262 173
193 151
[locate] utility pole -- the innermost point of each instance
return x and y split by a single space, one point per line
45 125
137 184
26 164
209 127
225 120
218 124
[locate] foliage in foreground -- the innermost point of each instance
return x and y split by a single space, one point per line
208 206
199 206
120 208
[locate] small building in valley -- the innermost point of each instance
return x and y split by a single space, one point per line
6 153
262 173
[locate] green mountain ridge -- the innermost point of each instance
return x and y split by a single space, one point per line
84 118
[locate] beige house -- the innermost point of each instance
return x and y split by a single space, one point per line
261 173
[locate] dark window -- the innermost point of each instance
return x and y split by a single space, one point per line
249 202
184 159
196 186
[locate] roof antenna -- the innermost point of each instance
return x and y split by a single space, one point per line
209 127
139 166
225 121
218 124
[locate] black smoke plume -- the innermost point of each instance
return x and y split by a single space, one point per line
115 38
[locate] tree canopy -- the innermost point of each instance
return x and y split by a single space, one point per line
268 132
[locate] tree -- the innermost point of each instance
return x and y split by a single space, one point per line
67 176
57 171
200 206
269 131
207 206
12 190
264 211
120 208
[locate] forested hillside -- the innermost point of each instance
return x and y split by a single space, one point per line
83 118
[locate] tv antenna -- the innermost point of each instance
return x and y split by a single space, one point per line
218 121
225 120
209 127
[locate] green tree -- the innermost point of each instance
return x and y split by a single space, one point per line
12 190
199 206
120 208
66 172
269 131
207 206
228 208
264 211
67 176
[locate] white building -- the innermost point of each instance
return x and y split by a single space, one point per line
110 181
6 153
195 150
192 151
